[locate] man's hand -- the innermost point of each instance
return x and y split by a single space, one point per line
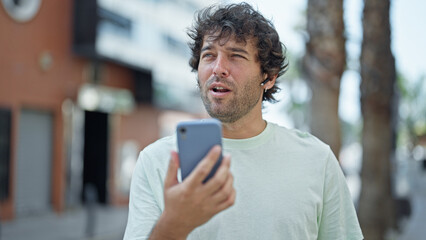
192 203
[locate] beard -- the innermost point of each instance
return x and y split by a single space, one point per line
234 107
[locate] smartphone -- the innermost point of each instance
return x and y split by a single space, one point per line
194 140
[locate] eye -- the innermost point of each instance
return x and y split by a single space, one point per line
238 56
206 55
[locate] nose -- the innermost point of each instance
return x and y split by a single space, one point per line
220 67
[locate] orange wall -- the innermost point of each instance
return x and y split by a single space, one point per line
23 84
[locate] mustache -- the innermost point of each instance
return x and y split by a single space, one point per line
216 79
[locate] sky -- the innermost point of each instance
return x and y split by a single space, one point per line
408 40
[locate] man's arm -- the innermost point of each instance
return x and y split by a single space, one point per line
191 203
339 219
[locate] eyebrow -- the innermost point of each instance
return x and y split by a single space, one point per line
239 50
208 47
232 49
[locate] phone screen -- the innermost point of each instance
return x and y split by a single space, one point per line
195 139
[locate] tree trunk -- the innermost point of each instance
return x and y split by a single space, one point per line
323 66
376 205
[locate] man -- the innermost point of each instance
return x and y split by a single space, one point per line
282 184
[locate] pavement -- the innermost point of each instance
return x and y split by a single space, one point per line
415 228
98 223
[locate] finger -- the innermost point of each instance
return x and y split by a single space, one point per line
220 177
205 166
171 177
224 193
227 202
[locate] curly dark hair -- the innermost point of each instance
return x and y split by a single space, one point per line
242 22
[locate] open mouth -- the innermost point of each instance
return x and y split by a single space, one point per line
220 89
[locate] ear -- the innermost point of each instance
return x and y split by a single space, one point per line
271 82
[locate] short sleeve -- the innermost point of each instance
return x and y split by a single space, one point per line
144 209
338 219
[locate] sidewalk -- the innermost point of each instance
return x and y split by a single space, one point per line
415 229
109 224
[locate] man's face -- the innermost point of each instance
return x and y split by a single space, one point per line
229 78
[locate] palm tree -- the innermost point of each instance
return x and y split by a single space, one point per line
323 66
376 204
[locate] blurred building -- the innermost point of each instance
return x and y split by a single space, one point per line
84 86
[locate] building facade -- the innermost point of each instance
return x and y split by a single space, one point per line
72 120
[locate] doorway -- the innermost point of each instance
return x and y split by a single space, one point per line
95 157
33 163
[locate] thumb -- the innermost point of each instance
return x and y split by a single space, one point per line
171 177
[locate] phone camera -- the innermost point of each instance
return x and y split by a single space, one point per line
182 130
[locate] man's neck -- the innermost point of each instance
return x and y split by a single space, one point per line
243 128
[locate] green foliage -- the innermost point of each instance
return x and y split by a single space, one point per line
412 110
351 132
299 94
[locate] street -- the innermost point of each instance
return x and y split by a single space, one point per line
108 224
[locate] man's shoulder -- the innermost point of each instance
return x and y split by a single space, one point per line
160 149
296 139
297 136
168 142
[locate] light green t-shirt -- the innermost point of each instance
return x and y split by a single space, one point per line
289 186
